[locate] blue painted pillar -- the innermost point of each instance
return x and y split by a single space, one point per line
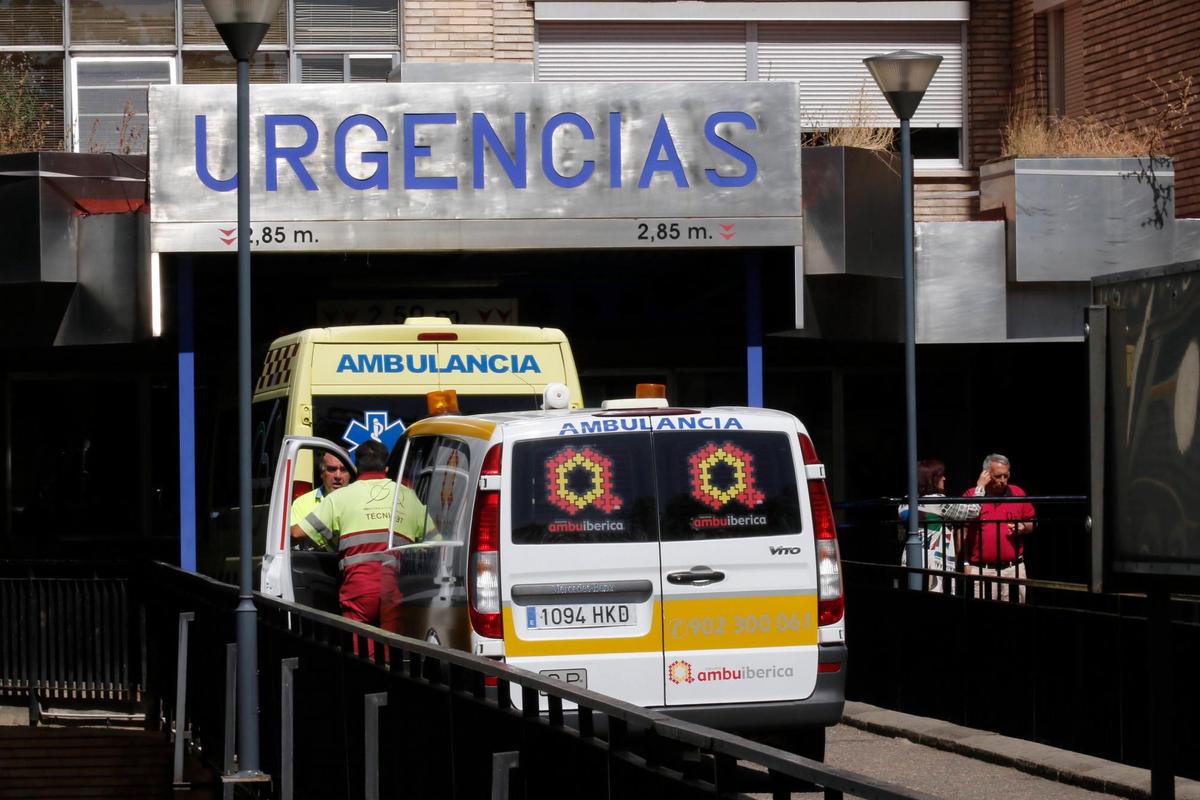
187 413
754 365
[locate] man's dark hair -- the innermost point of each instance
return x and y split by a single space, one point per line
371 456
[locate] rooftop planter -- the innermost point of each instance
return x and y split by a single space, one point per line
853 223
1072 218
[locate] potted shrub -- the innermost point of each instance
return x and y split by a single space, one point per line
1083 196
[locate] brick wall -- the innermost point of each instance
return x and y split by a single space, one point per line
989 80
1127 44
945 197
468 30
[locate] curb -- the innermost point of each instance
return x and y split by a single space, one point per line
1044 761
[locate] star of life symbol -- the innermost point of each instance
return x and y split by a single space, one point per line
374 426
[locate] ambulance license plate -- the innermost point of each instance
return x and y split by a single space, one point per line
586 615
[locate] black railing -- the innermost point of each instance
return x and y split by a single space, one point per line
69 631
1066 667
1055 548
402 717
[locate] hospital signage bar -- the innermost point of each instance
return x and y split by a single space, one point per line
481 166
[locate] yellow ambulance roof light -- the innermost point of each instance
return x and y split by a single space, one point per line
647 390
442 402
428 322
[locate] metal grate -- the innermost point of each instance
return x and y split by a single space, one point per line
66 638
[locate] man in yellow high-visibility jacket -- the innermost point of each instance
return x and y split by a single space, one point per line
334 475
358 516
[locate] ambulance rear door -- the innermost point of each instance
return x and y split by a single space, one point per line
580 561
738 566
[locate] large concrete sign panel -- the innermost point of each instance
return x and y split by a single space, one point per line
480 166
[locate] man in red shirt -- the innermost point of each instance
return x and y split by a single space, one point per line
995 544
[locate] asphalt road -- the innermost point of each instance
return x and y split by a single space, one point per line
936 772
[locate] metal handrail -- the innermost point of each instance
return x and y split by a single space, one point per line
466 673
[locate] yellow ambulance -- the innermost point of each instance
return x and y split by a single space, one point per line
353 383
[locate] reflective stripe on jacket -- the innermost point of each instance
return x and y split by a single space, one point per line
358 515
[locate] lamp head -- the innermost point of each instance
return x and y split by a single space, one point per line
903 76
242 23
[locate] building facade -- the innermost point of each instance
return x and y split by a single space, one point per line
1002 366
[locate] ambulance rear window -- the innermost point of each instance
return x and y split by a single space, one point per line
725 485
595 489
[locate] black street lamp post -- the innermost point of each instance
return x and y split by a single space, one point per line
903 76
242 25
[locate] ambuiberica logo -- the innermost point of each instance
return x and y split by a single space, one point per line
680 672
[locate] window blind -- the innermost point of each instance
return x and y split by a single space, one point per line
198 26
322 69
123 22
836 89
31 23
267 66
355 22
641 51
110 102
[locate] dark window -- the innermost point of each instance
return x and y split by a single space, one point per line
577 490
717 486
266 430
934 143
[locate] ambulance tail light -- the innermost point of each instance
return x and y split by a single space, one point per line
483 578
830 599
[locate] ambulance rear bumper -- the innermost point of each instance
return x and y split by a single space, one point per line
820 709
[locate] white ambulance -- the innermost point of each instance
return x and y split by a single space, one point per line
682 559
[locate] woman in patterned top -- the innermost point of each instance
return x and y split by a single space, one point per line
934 518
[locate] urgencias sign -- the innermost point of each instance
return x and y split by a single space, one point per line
479 152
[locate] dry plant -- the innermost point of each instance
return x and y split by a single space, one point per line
131 135
1031 133
23 118
857 132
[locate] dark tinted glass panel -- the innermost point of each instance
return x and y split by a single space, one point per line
583 490
716 486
